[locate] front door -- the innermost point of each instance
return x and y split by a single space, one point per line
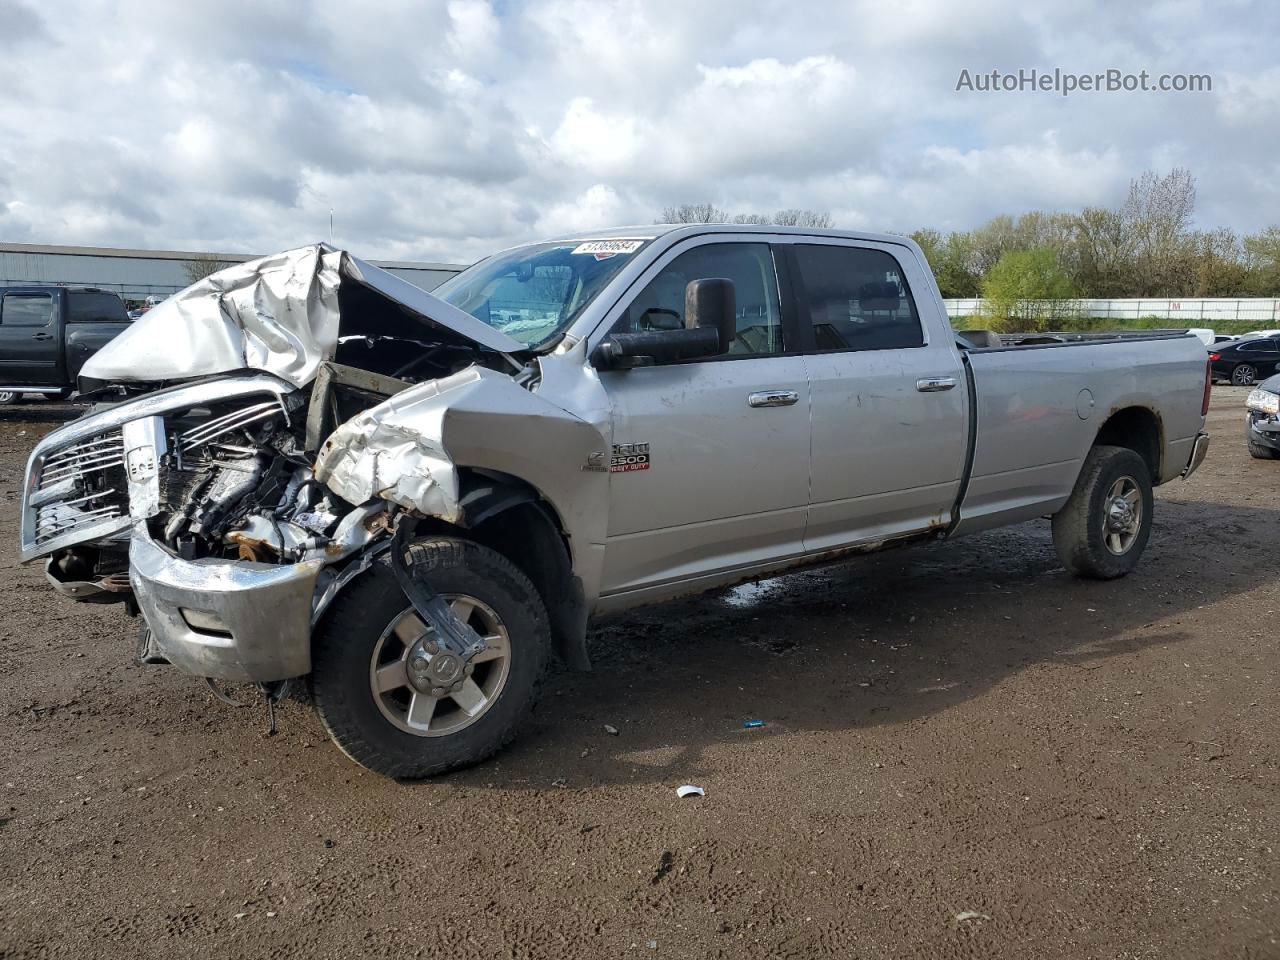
29 343
710 470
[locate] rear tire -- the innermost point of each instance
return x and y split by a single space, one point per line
378 724
1094 535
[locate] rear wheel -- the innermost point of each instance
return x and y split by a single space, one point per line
1244 374
365 691
1104 527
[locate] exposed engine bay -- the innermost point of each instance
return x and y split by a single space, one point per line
231 479
221 466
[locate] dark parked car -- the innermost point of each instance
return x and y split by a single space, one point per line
47 333
1262 424
1245 361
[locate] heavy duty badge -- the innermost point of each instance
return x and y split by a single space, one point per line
628 457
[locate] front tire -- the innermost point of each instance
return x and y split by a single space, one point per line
361 689
1259 452
1102 530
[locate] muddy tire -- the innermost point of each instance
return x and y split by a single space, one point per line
1259 452
360 679
1102 530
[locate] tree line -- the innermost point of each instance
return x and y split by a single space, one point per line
1145 248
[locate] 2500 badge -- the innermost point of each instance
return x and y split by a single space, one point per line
628 457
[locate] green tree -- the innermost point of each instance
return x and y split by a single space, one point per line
1101 254
1262 263
1026 290
949 257
1219 264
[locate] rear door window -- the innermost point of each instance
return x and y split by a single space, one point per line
1260 346
26 310
857 299
86 307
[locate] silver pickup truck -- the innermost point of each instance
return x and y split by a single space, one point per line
305 470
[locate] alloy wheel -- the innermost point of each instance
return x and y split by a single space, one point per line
1122 515
425 713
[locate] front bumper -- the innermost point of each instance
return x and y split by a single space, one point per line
1198 452
253 620
1263 430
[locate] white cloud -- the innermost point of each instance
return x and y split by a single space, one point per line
443 129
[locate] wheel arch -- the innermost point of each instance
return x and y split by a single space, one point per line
510 516
1138 429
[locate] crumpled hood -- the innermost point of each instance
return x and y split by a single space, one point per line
278 313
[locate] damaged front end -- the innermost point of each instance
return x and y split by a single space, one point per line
231 503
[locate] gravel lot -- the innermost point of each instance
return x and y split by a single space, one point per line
966 754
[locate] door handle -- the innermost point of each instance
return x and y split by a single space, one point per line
773 398
935 384
42 336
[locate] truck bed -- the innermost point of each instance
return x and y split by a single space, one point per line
1038 407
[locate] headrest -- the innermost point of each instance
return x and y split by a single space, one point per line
879 295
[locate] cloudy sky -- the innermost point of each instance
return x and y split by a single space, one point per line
444 129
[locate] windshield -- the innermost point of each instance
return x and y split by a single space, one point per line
534 293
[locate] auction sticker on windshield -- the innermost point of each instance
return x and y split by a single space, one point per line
603 249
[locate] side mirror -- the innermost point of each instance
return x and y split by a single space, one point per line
711 323
622 351
712 303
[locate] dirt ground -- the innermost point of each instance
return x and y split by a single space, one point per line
966 753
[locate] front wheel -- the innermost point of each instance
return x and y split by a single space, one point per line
377 709
1104 527
1259 452
7 397
1244 374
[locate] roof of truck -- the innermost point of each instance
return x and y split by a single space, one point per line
650 231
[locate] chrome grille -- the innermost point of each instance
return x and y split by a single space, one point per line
76 488
211 430
80 487
92 456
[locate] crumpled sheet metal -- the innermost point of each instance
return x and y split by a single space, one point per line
408 448
278 313
394 452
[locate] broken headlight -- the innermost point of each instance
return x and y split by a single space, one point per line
1263 401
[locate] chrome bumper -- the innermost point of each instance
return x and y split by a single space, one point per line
1198 453
252 621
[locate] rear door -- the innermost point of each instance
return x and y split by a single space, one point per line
29 343
710 467
890 403
94 319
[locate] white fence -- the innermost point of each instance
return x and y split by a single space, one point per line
1188 312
